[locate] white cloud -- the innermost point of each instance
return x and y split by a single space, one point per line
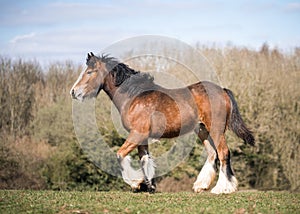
64 44
21 38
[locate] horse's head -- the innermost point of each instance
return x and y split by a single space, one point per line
91 80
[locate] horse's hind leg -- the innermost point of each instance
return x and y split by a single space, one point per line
148 168
227 183
208 171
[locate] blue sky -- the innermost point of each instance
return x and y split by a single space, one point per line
59 30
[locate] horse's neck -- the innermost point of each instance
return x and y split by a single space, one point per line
109 86
117 98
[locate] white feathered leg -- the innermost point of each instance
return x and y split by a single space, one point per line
130 175
208 171
148 168
205 177
225 185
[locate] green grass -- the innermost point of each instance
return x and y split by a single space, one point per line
28 201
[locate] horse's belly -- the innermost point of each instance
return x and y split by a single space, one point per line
162 127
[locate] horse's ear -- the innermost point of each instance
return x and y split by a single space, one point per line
89 56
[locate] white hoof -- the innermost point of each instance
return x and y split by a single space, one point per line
198 187
224 185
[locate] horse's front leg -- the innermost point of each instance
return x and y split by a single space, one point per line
130 175
148 168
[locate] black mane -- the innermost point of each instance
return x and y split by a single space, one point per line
127 79
137 84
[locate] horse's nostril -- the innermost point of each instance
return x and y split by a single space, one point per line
73 93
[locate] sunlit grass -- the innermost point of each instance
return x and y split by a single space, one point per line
127 202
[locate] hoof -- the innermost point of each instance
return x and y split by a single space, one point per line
143 187
224 186
151 186
199 189
218 190
151 189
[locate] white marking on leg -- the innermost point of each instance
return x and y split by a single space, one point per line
131 176
224 185
148 166
205 177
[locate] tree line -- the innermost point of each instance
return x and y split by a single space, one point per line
39 149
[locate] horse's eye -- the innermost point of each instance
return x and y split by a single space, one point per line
89 72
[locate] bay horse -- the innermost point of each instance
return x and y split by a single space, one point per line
148 110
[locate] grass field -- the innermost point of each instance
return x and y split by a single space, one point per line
126 202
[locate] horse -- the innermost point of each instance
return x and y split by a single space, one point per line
149 110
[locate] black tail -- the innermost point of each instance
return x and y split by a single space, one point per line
236 123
